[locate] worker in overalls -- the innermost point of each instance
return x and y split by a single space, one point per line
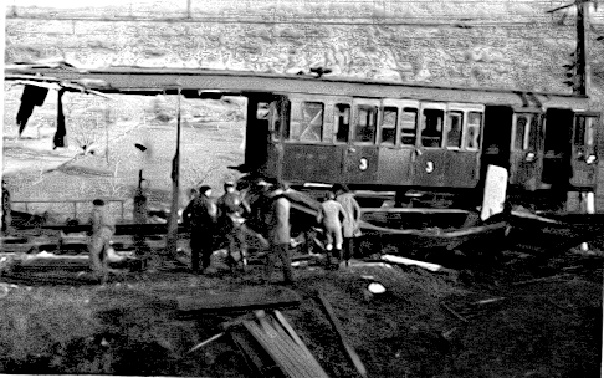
202 228
231 210
102 232
6 209
352 214
279 234
330 217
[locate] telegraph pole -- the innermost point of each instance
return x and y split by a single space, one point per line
173 220
582 48
581 65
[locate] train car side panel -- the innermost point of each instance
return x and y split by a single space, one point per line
309 154
584 155
361 156
461 138
430 168
527 149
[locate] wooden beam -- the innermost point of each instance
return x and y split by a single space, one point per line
351 354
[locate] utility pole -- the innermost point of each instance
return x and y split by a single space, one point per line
173 220
582 48
581 65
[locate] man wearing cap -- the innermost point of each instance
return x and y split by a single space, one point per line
352 214
6 209
201 227
231 208
279 234
102 232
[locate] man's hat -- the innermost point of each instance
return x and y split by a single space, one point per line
98 202
203 188
229 184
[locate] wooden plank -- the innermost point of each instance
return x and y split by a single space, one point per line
351 354
405 261
300 349
285 324
197 302
284 352
257 365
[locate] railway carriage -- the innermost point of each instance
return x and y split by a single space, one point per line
388 136
548 143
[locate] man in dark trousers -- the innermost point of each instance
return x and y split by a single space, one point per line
279 234
231 209
201 226
102 232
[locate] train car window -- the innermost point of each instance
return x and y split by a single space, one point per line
473 130
535 134
342 121
312 122
366 124
389 125
432 127
409 126
521 137
453 129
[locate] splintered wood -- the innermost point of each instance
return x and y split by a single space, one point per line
280 342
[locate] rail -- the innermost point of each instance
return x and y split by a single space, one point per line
74 203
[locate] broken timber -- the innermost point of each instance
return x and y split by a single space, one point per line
422 264
350 353
286 353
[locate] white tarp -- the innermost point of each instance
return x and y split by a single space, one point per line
494 192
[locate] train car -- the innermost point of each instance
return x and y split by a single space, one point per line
412 140
384 136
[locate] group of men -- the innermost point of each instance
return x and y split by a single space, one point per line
262 211
339 216
266 212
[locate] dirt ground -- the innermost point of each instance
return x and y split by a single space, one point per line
549 328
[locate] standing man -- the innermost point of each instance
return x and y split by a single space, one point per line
186 214
330 217
279 233
231 208
201 228
102 232
6 209
352 214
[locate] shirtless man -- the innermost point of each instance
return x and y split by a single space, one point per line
330 217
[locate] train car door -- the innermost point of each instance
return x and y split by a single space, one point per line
258 134
361 156
557 168
397 137
527 149
496 138
463 126
430 161
276 111
584 151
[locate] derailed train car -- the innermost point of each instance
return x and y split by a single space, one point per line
431 140
406 138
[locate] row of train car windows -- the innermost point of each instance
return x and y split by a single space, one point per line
437 126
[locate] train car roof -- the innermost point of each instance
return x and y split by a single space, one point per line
149 81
